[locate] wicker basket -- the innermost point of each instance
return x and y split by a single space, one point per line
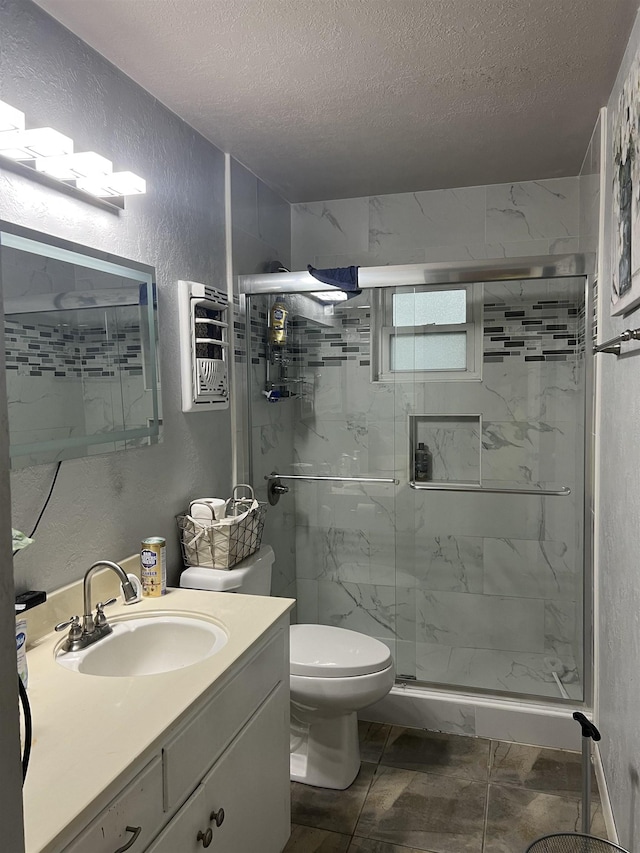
223 544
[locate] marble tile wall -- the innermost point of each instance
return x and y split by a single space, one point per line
503 220
393 563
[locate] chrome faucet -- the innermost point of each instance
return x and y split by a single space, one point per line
93 628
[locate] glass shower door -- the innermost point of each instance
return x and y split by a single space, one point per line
490 573
470 572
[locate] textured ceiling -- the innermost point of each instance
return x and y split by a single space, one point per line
338 98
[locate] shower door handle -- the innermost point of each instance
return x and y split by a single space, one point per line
443 486
275 487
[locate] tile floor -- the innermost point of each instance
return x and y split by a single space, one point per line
420 790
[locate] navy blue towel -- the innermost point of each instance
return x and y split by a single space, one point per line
346 278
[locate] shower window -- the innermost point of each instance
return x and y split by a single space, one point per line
432 332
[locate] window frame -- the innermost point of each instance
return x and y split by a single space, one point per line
385 331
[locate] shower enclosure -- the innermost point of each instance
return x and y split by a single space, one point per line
472 569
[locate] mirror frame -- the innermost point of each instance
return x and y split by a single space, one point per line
47 245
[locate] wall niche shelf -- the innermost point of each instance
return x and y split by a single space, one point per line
454 442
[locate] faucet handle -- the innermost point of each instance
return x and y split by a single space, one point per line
74 623
101 619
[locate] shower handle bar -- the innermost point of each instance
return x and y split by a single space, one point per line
329 478
275 488
495 490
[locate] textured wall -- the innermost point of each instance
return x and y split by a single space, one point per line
619 628
103 505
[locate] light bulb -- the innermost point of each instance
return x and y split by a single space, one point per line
115 184
68 167
10 117
38 142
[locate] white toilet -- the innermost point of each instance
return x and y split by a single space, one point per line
334 674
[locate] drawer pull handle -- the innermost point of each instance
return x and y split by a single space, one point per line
217 816
136 832
205 837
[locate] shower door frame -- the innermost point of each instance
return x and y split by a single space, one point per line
570 265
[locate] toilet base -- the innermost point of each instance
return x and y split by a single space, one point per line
325 752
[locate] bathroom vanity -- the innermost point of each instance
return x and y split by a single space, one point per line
170 762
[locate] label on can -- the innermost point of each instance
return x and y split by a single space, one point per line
153 567
21 646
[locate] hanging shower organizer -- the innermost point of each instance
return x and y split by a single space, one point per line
279 384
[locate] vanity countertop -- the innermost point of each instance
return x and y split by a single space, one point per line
88 730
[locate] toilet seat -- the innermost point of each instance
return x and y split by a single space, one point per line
323 651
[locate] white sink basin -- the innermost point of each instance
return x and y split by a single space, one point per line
147 645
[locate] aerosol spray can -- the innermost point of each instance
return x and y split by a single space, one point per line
153 566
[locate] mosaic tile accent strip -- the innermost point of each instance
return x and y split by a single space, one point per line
37 349
542 330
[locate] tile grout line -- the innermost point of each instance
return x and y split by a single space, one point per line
377 765
486 797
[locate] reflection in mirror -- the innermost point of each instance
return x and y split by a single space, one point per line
81 349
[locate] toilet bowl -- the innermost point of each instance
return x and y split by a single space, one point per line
334 673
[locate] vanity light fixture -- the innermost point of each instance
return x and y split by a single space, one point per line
69 167
38 142
10 118
329 297
49 153
114 184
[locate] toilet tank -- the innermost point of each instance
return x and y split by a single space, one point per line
251 576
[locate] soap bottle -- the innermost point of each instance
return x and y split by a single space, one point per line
278 324
423 464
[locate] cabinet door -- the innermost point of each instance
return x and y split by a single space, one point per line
138 806
203 738
250 782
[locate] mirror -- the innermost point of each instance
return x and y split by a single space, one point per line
81 349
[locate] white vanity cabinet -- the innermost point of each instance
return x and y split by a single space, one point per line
242 804
221 776
138 806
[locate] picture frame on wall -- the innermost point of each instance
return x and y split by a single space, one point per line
625 278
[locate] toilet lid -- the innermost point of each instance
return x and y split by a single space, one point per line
328 652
